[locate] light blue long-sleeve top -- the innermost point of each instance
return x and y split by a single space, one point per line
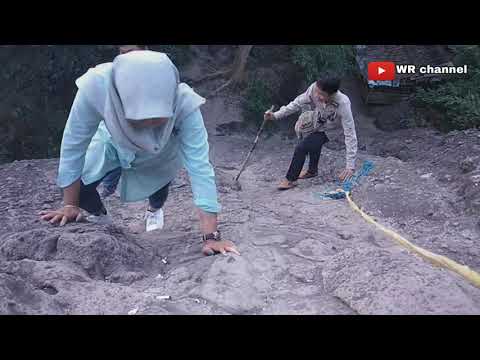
89 152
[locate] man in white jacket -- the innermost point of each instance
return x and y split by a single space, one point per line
330 108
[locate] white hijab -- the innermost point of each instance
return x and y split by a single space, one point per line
140 85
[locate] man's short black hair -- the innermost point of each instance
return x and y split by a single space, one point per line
329 84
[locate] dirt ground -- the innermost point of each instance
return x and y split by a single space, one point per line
300 254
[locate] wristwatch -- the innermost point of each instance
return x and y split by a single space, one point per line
213 236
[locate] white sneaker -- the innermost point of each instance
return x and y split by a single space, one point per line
100 219
154 220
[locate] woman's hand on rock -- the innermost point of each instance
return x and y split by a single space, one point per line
212 247
63 216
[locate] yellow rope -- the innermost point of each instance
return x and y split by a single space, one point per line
438 260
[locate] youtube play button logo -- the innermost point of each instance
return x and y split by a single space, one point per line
381 71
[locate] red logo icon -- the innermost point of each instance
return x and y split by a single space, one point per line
381 71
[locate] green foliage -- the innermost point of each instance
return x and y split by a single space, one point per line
258 99
455 103
313 60
38 88
468 55
316 60
266 55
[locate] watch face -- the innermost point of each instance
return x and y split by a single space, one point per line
212 236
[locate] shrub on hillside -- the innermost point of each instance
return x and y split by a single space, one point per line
456 103
316 60
258 99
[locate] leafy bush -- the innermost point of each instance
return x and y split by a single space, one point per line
313 60
258 99
316 60
265 55
455 103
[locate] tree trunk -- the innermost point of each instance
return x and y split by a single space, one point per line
238 70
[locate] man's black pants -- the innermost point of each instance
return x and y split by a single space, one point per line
311 146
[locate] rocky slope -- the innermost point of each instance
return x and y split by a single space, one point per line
300 254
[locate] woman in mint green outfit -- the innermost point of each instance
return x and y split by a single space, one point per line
135 114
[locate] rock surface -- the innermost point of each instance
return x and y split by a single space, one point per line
300 254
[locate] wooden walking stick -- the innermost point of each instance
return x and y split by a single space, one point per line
237 184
